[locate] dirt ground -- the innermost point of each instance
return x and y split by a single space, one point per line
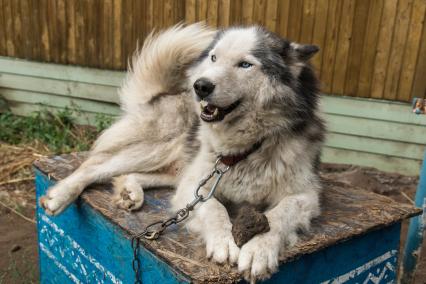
18 236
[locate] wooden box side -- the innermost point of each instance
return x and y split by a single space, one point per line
82 246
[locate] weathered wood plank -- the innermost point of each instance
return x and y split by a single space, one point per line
128 45
384 163
224 13
283 13
343 45
61 72
8 28
179 12
3 48
355 50
376 146
383 48
419 84
371 109
64 88
295 20
117 34
17 28
27 36
35 30
308 19
52 28
411 50
236 12
259 9
247 11
330 48
397 51
190 6
202 10
83 105
376 128
368 50
212 17
105 33
271 15
61 36
168 13
149 17
71 30
318 36
80 31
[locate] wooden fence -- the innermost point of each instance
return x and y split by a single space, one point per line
374 49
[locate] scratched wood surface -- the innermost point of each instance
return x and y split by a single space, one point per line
346 213
368 48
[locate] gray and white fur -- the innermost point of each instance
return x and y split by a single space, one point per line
254 87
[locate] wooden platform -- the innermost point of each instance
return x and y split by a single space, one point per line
347 213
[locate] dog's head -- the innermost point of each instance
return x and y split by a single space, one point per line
249 75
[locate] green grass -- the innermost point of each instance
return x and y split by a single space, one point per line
57 130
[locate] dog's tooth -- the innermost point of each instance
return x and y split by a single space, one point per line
203 103
216 112
201 106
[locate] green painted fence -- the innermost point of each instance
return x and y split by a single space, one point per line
381 134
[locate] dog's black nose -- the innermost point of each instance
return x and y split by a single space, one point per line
203 87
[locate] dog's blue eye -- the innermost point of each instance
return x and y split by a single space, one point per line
213 58
244 64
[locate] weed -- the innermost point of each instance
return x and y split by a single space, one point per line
58 130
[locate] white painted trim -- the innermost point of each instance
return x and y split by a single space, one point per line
50 255
82 252
363 268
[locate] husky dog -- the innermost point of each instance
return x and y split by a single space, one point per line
242 94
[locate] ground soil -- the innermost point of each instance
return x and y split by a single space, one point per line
18 237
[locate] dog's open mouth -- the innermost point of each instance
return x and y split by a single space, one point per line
211 113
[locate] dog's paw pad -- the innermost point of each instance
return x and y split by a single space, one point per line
129 194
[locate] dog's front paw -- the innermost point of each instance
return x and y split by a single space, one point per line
258 258
57 199
128 193
221 247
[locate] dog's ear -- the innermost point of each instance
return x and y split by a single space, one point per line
304 52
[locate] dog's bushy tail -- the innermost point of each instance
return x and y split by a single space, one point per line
159 67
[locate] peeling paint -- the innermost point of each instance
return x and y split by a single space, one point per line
55 237
58 264
389 258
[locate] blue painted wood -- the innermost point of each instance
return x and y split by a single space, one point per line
82 246
371 258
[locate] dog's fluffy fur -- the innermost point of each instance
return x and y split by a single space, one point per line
161 131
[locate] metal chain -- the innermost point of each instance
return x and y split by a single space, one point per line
154 230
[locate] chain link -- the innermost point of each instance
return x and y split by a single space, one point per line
154 230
